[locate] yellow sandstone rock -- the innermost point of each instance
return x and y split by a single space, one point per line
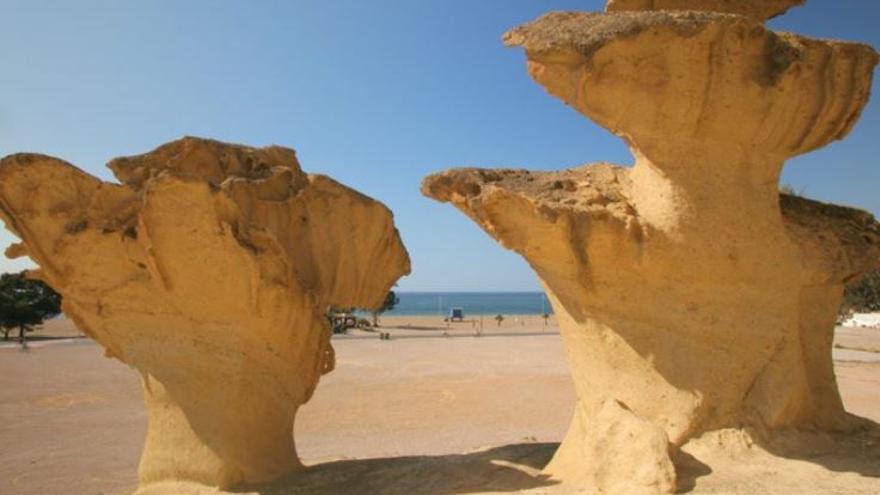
209 270
692 297
756 9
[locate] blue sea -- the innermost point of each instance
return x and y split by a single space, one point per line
473 303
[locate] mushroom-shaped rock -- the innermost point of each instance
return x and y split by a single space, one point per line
692 297
676 341
209 270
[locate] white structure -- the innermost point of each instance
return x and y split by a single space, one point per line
871 320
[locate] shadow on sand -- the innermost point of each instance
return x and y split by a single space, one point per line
502 469
453 334
855 452
784 456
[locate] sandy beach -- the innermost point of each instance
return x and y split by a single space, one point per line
72 421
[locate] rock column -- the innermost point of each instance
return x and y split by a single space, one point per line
209 270
692 297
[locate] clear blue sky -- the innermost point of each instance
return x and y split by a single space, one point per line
374 93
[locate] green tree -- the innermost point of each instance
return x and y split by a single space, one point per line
862 296
25 303
391 300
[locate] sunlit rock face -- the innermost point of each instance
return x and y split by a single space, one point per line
209 270
756 9
692 297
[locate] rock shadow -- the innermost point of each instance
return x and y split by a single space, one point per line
509 468
856 452
453 334
687 470
853 452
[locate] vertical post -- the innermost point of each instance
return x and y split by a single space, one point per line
544 311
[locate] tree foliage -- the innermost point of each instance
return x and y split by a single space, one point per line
391 300
25 303
862 296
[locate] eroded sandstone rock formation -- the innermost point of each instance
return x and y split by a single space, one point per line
694 300
209 270
756 9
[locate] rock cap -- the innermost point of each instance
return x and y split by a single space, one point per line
756 9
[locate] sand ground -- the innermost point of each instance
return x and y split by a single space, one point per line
494 407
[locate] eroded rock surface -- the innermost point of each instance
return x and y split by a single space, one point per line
756 9
209 270
690 293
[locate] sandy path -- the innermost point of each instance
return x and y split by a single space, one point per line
72 421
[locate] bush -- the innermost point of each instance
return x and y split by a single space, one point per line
862 296
25 303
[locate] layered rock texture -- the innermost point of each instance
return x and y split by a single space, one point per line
696 303
756 9
209 270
